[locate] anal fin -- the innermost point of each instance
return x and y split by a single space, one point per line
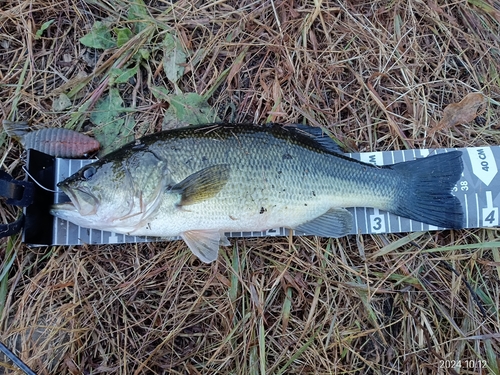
336 222
205 244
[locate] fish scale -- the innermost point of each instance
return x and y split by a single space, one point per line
199 182
260 169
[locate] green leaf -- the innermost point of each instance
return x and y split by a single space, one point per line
42 28
112 130
189 108
160 93
99 37
117 75
138 12
123 35
174 58
144 52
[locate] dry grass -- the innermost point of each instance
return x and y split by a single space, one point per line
378 75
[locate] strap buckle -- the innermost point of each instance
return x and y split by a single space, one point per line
18 193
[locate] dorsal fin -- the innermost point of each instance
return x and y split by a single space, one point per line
319 135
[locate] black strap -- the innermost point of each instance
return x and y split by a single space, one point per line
9 229
17 193
14 358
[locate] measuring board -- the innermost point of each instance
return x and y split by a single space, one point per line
478 191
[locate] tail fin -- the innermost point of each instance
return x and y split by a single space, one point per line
15 129
426 196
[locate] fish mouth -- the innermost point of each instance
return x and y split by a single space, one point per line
58 208
81 201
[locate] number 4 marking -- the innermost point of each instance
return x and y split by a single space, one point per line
491 218
490 213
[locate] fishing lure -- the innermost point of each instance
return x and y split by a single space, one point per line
58 142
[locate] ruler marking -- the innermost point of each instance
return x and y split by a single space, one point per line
356 226
368 227
113 238
388 216
477 210
79 231
466 204
400 229
55 230
489 199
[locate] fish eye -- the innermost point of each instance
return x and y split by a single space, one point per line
88 172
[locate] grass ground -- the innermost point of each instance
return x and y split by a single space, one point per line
377 74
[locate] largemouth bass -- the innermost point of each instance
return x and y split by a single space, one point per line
201 181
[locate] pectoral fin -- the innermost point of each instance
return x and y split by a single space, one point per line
202 185
336 222
205 244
